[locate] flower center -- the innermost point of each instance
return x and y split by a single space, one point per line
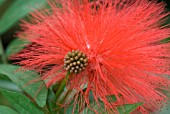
75 61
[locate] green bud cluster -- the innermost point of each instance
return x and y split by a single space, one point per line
75 61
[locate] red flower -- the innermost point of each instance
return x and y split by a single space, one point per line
121 40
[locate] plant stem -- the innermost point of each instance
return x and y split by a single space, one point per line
65 96
60 110
3 57
62 85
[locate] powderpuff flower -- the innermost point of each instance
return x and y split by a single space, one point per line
111 47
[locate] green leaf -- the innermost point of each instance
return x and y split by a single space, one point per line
1 51
15 46
2 55
1 2
111 98
8 85
51 102
25 80
21 103
7 110
1 47
17 10
128 108
101 108
93 104
123 109
165 40
72 107
3 77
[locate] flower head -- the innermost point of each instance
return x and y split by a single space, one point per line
121 43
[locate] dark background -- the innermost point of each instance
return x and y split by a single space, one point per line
167 1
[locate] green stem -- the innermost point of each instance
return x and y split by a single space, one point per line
60 110
62 85
3 57
65 96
